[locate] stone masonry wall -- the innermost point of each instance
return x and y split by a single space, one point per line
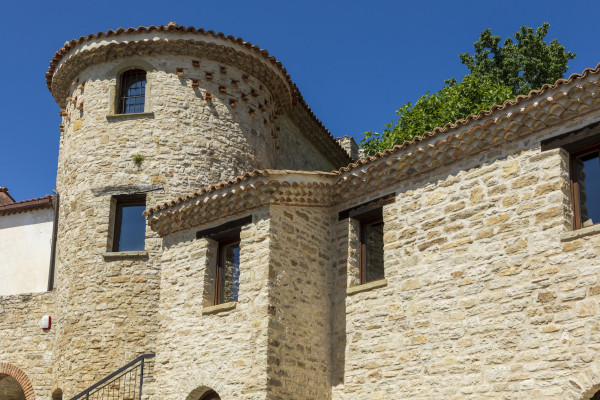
488 295
299 304
107 306
296 152
23 343
225 351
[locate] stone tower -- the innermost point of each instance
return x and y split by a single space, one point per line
150 114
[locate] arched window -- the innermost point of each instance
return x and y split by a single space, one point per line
132 92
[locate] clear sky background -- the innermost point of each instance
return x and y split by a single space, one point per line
355 62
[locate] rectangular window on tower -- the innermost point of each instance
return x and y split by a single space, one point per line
129 233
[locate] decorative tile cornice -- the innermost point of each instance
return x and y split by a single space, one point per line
81 53
250 191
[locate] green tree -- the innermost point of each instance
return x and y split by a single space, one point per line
496 73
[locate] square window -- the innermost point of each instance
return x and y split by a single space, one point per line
129 224
585 186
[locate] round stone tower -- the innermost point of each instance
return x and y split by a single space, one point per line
149 114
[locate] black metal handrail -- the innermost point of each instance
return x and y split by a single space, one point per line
126 380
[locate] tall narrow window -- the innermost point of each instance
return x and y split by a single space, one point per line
132 92
228 270
585 186
371 248
130 224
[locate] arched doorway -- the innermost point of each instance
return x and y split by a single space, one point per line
203 393
14 383
10 389
57 394
210 395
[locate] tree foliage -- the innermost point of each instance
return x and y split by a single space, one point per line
496 73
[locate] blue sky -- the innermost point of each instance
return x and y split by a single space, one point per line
354 62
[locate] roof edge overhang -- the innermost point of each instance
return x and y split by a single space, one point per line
78 54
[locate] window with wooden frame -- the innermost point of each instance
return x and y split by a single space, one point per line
129 223
227 265
583 146
585 186
369 220
228 270
132 92
371 247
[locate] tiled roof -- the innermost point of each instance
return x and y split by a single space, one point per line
461 123
241 194
296 96
5 197
562 105
27 205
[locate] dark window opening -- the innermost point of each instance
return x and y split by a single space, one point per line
130 224
228 270
132 92
585 187
371 247
596 396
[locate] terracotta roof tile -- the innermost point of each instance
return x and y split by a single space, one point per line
5 197
172 27
27 205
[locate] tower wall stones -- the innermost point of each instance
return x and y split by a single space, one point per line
206 119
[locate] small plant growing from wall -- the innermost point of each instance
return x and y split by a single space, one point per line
138 159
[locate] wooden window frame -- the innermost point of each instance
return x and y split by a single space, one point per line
221 244
225 234
364 222
574 180
135 200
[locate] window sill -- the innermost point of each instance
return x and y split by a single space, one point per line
120 255
366 286
579 233
118 117
219 308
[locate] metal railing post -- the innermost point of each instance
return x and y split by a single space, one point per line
141 378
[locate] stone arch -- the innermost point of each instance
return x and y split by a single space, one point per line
134 63
203 393
584 385
7 369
